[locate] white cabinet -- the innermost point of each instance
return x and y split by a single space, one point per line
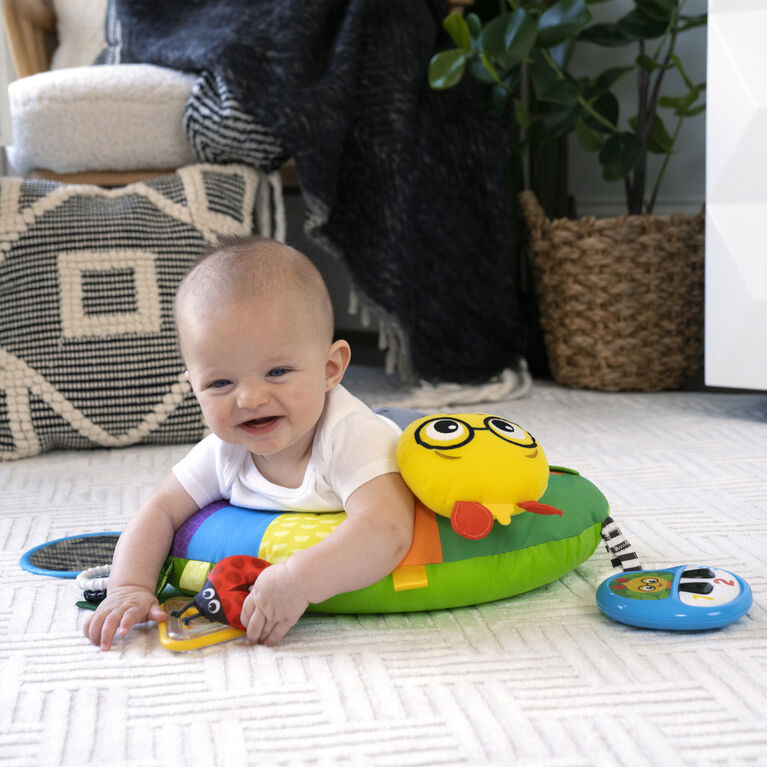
6 77
736 195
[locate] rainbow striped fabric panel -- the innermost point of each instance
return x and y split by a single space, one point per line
220 530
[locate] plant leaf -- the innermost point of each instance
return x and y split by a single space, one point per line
659 141
637 26
508 38
561 53
658 10
557 121
474 23
477 69
607 106
456 27
588 138
695 110
649 64
690 22
619 156
561 21
682 104
520 37
609 77
549 87
488 65
678 64
606 35
492 39
446 69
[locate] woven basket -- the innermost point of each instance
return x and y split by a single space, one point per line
621 299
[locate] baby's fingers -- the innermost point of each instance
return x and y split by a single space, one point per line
92 626
156 613
101 626
255 626
248 608
134 615
277 633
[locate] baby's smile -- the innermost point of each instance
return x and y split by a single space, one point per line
261 425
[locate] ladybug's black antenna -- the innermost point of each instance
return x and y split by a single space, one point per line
186 621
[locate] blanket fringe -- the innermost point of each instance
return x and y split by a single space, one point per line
270 207
391 339
508 384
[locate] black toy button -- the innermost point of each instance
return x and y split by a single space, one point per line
696 588
703 572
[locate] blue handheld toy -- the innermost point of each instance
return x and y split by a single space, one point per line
682 598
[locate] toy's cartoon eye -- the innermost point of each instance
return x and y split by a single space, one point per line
208 593
650 580
443 433
647 587
509 431
214 606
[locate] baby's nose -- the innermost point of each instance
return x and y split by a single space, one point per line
252 396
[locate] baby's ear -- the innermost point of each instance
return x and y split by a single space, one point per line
338 360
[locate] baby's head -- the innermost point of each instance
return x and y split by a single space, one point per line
255 327
251 273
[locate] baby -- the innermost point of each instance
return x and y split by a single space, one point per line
255 328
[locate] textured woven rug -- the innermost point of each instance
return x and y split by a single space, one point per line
542 678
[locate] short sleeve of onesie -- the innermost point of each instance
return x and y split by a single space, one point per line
362 447
207 471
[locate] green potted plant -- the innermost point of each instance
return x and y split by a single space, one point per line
620 298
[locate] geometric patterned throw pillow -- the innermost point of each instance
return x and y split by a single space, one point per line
88 353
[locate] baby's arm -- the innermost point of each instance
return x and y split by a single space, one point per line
138 557
366 547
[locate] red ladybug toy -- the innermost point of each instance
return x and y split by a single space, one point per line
226 588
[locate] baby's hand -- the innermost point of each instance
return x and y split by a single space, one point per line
119 612
273 606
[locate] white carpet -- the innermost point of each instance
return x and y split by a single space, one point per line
540 679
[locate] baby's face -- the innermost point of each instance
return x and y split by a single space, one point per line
260 373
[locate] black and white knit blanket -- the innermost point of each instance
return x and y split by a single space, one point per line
403 183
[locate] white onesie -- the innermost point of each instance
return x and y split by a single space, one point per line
351 446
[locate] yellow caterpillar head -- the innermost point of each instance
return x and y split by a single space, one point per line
472 457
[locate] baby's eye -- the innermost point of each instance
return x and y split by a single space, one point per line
277 372
219 383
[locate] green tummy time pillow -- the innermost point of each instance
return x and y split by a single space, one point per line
442 569
88 353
